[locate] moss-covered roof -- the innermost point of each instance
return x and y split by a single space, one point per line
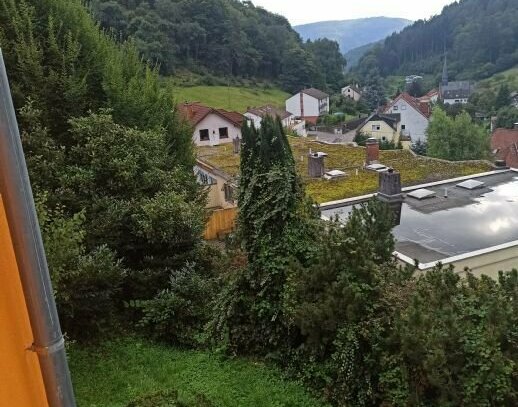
414 170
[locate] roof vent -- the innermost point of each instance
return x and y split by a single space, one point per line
471 184
333 174
377 167
421 194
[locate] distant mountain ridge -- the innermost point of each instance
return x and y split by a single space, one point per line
351 34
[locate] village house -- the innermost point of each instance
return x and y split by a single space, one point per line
514 99
352 92
415 116
457 92
383 127
309 105
289 121
211 126
430 97
504 143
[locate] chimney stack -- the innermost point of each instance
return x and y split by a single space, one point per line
316 167
390 193
237 145
373 151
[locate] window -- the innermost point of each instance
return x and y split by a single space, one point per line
376 127
403 107
204 135
205 179
384 138
403 126
395 108
223 132
229 193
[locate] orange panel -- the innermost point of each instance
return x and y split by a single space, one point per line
21 383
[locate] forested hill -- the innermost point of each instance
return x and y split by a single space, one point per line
224 38
481 37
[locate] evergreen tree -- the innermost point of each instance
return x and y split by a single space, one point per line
503 97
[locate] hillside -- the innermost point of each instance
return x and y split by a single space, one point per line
230 97
353 56
480 36
351 34
221 38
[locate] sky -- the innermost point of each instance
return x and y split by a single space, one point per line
309 11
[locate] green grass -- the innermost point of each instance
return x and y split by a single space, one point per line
414 170
231 98
509 77
119 372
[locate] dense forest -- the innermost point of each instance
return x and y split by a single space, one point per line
480 37
224 38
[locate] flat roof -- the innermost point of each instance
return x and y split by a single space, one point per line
438 228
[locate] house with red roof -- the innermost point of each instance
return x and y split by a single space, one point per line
211 126
309 105
415 115
504 143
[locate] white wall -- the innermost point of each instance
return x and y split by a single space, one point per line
348 92
454 101
213 122
312 107
415 123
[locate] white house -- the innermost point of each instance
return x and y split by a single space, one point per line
352 92
415 116
211 126
289 121
309 104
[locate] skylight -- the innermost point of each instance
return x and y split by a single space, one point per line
471 184
421 194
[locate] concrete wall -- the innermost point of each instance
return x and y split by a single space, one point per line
415 123
213 123
386 132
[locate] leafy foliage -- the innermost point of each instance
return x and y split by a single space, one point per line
195 35
456 138
480 32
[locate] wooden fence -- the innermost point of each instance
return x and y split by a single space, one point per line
221 222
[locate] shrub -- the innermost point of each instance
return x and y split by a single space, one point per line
168 399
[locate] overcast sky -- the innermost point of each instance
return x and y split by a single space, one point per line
309 11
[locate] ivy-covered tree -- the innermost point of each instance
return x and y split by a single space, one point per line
274 230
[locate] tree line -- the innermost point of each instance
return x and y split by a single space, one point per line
479 36
224 38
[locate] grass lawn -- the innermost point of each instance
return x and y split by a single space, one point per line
509 77
414 170
119 372
231 98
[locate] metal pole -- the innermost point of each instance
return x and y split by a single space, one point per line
30 255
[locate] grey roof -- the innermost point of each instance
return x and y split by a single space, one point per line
440 227
392 119
317 94
269 110
457 90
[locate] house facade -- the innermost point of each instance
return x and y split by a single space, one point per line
256 115
221 186
352 92
308 105
211 126
415 116
383 127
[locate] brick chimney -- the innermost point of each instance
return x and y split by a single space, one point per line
373 151
390 193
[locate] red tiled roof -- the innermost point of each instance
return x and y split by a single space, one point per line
422 107
195 112
505 143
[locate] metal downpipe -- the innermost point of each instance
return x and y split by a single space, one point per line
30 255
